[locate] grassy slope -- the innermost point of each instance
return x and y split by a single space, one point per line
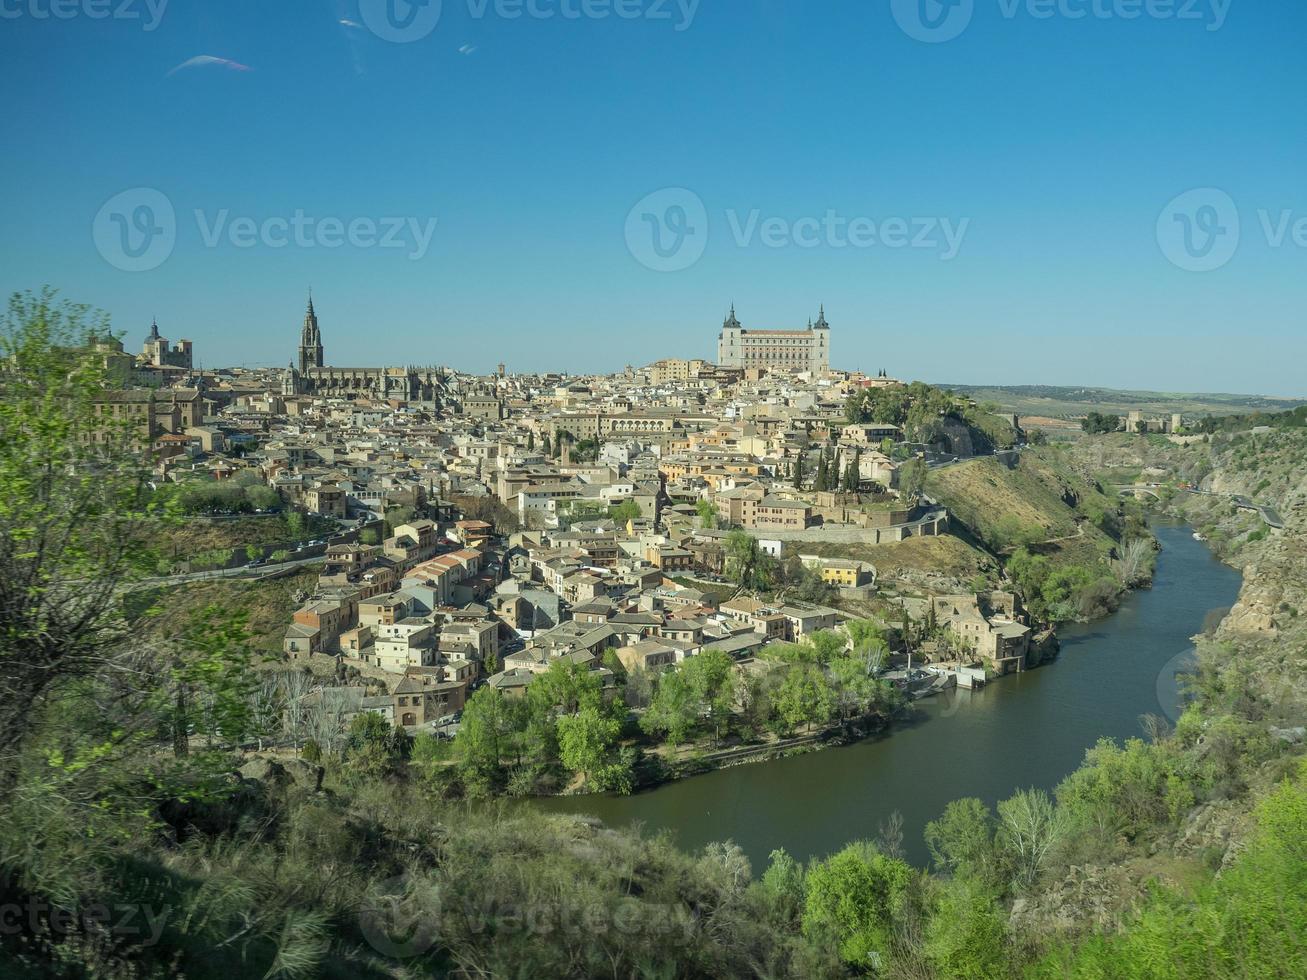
1041 490
268 604
194 536
942 562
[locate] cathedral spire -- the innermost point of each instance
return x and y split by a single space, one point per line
310 352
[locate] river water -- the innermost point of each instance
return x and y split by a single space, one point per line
1028 729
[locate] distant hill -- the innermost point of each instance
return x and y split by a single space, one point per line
1057 401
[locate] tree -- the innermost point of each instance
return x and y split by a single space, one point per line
707 513
212 680
822 481
586 740
530 440
912 477
853 472
1029 826
783 884
75 512
828 645
484 731
674 709
799 475
966 936
372 745
710 676
627 510
961 841
746 562
853 898
803 697
856 691
565 688
294 525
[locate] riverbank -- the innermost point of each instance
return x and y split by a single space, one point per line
1032 729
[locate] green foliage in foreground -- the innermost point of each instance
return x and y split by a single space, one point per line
1249 922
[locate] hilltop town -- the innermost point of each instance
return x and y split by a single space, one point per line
439 533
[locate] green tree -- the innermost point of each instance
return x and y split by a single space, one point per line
294 525
821 482
710 676
962 841
674 710
627 510
853 898
485 732
586 740
856 692
372 745
75 512
966 936
783 884
212 681
707 513
912 477
746 562
803 698
565 688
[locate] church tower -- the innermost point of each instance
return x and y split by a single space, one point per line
310 341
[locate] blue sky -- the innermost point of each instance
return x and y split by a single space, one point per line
1051 144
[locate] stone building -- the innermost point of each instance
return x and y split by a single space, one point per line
158 353
787 350
308 375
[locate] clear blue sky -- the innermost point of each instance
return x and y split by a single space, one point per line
1059 140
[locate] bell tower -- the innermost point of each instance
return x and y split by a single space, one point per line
310 354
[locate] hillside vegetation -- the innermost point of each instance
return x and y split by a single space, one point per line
1027 498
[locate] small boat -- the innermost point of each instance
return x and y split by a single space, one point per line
1199 537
